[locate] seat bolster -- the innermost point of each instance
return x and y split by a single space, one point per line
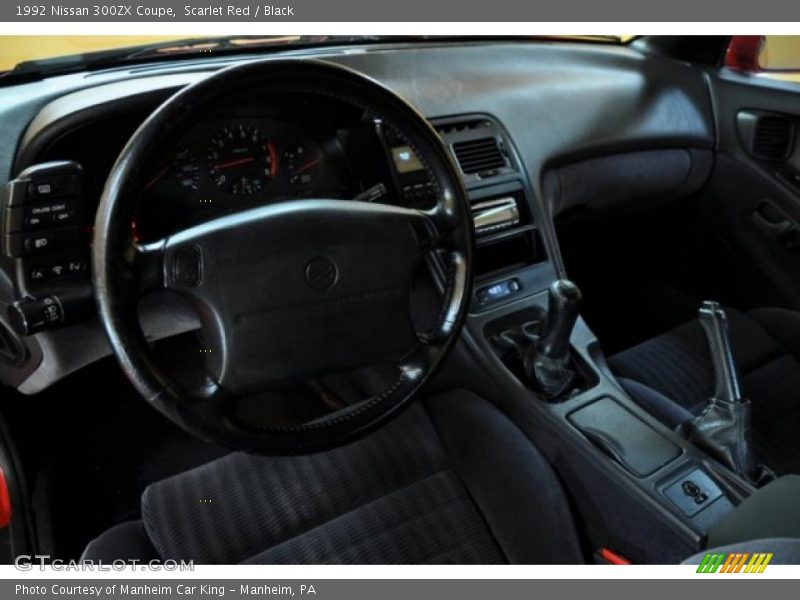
662 408
677 364
781 325
126 541
514 487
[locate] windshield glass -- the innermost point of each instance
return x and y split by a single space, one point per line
51 54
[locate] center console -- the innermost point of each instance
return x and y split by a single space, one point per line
633 477
624 464
511 262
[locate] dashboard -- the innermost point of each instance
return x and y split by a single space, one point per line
543 104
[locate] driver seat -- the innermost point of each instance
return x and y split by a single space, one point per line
452 480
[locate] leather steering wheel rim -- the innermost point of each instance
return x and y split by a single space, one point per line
123 269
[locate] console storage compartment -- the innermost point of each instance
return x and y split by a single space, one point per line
627 439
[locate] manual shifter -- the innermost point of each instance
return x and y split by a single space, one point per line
547 360
723 428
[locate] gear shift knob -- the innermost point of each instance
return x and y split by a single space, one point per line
563 304
547 361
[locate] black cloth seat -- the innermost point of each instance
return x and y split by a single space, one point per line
450 481
453 481
672 376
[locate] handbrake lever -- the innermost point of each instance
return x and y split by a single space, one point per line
715 324
723 428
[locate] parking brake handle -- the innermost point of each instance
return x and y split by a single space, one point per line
726 378
723 428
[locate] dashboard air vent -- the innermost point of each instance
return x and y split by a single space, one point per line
480 155
772 138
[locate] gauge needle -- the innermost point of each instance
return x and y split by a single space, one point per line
155 179
234 163
309 165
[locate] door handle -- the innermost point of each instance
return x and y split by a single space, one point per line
771 220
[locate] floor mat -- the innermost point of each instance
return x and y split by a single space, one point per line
90 445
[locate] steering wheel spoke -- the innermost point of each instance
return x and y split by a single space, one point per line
147 265
445 215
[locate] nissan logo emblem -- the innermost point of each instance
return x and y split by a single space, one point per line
321 273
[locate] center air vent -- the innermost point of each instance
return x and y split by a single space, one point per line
480 145
479 156
766 136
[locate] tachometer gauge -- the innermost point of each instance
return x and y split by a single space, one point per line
241 160
300 164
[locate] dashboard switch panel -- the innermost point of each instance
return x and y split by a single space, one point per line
41 222
42 231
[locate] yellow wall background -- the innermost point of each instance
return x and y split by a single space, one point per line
781 52
17 48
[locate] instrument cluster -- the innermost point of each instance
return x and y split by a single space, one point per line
225 164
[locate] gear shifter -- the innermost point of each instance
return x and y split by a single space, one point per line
723 429
547 361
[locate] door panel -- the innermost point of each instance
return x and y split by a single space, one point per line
753 202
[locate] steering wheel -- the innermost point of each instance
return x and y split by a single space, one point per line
290 291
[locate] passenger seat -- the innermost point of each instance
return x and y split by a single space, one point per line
672 377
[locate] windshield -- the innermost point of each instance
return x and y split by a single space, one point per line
54 54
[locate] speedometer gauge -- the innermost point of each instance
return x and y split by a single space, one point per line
241 160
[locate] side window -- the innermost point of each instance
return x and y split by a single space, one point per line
772 56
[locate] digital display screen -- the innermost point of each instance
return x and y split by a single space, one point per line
498 290
405 160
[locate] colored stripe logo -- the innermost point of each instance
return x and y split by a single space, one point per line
735 562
